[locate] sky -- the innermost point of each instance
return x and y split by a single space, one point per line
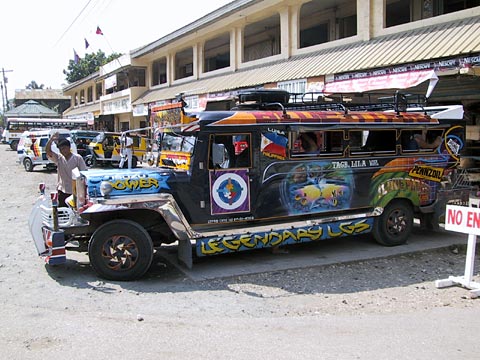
38 38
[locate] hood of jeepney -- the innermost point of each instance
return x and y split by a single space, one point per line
126 182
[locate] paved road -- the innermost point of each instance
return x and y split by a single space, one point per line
344 299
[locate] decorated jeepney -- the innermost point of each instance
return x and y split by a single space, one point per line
230 181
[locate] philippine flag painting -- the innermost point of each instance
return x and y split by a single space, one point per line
274 145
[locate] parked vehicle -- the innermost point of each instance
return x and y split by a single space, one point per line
31 148
83 138
16 126
230 181
105 149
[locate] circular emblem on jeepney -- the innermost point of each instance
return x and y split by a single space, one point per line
229 191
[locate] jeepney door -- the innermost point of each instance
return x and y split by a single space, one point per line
229 176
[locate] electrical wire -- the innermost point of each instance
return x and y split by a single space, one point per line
73 22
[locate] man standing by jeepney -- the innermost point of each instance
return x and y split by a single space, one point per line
66 161
127 150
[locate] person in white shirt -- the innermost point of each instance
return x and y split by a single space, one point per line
127 150
66 161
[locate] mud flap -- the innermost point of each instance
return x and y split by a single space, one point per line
55 241
185 253
35 223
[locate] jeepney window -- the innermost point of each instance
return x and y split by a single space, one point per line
420 140
372 141
176 142
230 151
317 143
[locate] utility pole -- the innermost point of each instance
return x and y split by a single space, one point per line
3 98
5 80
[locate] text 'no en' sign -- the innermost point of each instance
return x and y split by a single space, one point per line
463 219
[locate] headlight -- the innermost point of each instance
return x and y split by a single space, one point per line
106 189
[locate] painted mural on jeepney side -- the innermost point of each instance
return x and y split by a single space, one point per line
417 178
126 182
216 245
315 186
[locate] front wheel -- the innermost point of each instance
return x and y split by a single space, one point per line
90 161
395 224
28 164
120 250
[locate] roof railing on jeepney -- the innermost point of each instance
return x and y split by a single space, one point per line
374 101
269 99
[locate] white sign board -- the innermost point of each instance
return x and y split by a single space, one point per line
463 219
111 81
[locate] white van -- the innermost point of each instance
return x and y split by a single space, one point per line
31 147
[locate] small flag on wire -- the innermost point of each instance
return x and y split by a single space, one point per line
99 31
76 58
86 44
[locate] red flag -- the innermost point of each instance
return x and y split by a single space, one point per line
86 44
99 31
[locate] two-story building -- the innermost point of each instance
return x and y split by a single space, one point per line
428 46
106 96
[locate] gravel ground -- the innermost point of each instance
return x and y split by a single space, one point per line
384 308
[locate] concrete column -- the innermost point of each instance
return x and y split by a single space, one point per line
377 17
197 60
233 49
285 32
170 68
294 27
238 46
364 19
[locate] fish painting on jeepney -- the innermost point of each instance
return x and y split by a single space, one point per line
316 187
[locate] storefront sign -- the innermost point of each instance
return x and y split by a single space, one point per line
140 110
117 106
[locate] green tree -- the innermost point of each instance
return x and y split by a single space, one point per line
34 86
87 65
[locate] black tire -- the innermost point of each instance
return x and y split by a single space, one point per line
134 162
14 145
90 161
28 164
120 250
395 225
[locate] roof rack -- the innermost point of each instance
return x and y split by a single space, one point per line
277 99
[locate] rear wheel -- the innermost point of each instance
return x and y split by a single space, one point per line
134 162
28 164
120 250
395 224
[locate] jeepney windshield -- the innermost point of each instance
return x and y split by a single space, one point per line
99 138
177 142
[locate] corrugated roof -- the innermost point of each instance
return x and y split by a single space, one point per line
454 38
82 109
32 108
